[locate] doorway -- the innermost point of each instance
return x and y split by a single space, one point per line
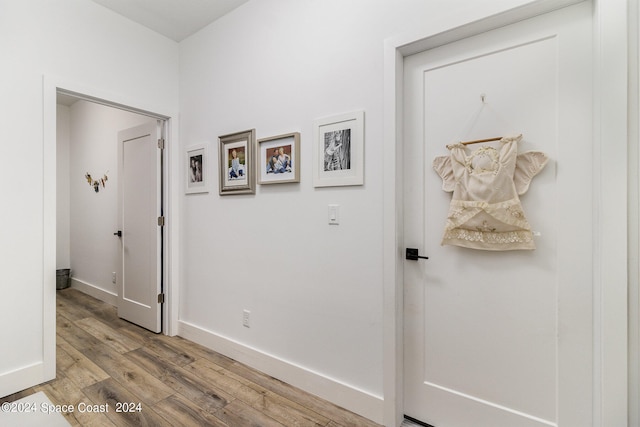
609 281
496 336
88 202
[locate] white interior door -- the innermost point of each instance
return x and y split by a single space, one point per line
502 339
139 195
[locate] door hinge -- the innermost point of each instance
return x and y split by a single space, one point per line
161 143
160 221
160 298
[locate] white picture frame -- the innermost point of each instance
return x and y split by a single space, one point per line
338 150
197 169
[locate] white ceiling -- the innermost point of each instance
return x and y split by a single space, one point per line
176 19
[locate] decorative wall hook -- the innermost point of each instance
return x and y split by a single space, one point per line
483 98
96 183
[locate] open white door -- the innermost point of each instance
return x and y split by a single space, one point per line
139 208
502 339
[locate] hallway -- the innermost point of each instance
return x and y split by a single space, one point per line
102 359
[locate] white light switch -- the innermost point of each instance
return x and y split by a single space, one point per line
334 214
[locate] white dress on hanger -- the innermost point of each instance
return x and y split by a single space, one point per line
485 211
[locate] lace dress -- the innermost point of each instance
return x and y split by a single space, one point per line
485 211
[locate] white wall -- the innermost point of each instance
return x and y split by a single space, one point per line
94 216
74 41
275 65
315 291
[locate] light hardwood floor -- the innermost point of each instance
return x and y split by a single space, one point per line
102 359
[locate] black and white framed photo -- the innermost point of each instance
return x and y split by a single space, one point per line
237 169
196 162
339 150
279 159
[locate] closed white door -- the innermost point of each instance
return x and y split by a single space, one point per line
139 195
502 338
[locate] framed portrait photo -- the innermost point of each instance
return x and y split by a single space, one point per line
197 175
279 159
237 169
338 150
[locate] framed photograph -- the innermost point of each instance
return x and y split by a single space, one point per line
279 159
339 150
237 168
196 162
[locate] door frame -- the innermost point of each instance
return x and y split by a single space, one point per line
53 85
610 148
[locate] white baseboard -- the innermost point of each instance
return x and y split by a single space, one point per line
94 291
348 397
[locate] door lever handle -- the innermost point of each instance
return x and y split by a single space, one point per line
412 254
118 233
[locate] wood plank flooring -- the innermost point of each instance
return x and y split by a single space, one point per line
104 360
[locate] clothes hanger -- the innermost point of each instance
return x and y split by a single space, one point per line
477 141
483 98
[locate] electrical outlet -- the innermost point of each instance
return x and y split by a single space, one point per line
245 318
113 277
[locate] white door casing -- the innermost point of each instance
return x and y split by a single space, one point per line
139 207
45 368
502 338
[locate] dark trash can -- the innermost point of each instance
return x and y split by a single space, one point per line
62 278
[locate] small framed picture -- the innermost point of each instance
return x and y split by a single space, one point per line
237 167
279 159
339 150
196 162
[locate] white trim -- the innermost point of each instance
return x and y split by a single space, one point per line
22 378
339 393
610 213
49 229
393 243
610 305
173 196
53 84
634 215
409 44
95 291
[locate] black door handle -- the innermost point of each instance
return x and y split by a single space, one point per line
412 254
118 233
